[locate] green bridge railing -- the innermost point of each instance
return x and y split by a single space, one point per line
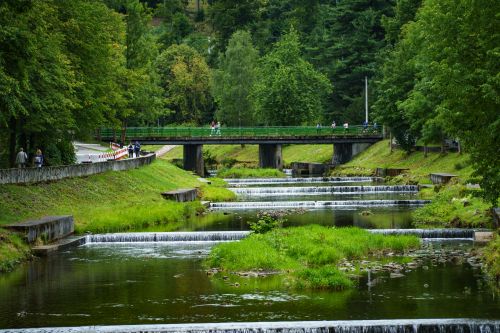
277 131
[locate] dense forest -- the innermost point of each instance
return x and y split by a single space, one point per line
68 68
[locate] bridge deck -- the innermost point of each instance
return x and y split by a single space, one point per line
245 135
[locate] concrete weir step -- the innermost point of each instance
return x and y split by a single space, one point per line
344 326
45 250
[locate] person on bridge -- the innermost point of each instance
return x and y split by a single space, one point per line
346 126
334 125
318 128
212 128
38 158
21 158
217 129
130 149
137 149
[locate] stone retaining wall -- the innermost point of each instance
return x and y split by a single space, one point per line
35 175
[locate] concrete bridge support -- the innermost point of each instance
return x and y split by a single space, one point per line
193 159
270 156
344 152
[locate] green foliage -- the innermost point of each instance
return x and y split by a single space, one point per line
308 255
265 223
13 250
233 81
442 78
215 193
453 206
288 90
185 76
491 259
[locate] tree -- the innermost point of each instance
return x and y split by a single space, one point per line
459 52
185 77
37 105
233 81
288 90
344 45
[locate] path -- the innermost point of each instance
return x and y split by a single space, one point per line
165 149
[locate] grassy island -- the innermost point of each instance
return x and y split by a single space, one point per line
239 172
307 256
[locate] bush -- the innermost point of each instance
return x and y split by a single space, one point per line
265 223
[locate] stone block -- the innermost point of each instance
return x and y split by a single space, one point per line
181 195
47 229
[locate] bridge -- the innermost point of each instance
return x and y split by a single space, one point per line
347 142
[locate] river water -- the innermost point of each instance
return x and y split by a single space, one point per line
164 282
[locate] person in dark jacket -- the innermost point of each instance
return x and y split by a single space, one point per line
137 149
130 149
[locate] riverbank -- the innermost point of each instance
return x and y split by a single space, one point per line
453 205
108 202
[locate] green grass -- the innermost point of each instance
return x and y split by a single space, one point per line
452 206
248 155
112 201
308 256
379 156
491 259
249 173
13 250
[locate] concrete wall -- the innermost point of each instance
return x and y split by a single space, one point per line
344 152
35 175
49 228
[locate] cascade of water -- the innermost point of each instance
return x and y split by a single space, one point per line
318 190
352 326
314 204
428 233
197 236
260 181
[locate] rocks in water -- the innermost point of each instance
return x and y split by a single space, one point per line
396 275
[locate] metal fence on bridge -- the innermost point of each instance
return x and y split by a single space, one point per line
234 132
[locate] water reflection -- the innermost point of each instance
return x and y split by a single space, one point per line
160 282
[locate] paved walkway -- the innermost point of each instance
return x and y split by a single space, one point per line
165 149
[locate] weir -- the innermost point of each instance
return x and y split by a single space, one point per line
428 233
318 190
315 204
196 236
262 181
351 326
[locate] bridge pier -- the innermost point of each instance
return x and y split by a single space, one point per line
193 159
270 156
344 152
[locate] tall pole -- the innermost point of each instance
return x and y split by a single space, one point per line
366 99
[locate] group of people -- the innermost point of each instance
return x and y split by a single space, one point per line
134 149
215 128
22 158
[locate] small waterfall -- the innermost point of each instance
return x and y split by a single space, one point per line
346 326
261 181
315 204
318 190
138 237
428 233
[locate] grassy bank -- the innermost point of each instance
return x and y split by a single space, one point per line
491 259
307 256
248 155
239 172
379 156
453 205
109 202
13 250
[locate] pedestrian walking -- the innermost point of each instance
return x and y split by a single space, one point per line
212 128
130 149
21 158
38 158
217 129
346 126
318 128
137 149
